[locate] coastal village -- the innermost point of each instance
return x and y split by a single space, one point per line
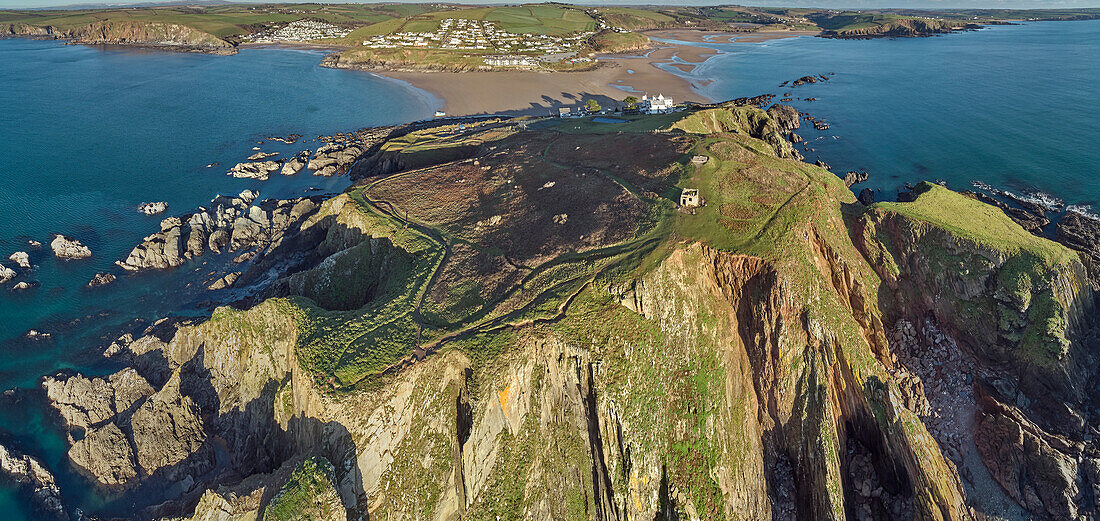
298 31
478 35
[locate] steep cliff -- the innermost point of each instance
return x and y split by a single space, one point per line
130 32
532 330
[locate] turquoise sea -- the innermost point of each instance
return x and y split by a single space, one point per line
89 133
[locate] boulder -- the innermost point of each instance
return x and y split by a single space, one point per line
23 286
68 248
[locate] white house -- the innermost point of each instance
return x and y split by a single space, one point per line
658 104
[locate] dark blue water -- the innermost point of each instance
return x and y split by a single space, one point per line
1012 106
87 134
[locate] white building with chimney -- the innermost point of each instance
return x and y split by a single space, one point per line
658 104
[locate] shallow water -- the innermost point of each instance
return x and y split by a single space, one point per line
1012 106
90 133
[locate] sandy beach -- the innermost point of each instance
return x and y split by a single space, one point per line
541 93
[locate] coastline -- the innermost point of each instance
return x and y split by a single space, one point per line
620 75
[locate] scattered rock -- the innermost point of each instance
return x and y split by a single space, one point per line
153 208
68 248
21 259
822 164
101 279
34 244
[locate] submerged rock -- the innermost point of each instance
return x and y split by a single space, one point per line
68 248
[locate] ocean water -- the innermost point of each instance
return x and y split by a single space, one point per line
87 134
1016 107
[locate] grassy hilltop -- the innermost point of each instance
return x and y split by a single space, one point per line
514 319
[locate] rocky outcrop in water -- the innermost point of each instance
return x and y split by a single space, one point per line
21 259
253 170
31 473
230 224
101 279
6 274
296 163
68 248
153 208
853 177
259 156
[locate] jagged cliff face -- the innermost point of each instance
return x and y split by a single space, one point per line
139 33
903 27
549 339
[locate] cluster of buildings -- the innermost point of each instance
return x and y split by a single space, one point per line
478 35
299 31
659 104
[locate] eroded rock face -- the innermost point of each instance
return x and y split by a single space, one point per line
167 430
106 454
787 117
230 224
68 248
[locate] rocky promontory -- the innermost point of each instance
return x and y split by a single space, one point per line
159 35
